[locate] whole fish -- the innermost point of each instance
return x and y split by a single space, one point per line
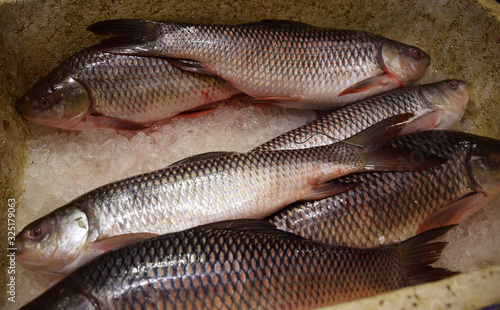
388 207
94 89
435 106
279 62
248 185
233 265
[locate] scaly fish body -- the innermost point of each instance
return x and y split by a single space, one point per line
95 89
389 207
234 265
250 185
435 106
279 62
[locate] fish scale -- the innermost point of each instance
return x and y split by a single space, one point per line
137 91
340 124
228 182
231 265
388 207
286 62
183 195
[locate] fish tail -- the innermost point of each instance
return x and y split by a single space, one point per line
419 254
133 37
394 159
390 159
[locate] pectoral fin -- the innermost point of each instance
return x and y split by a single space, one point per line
110 243
189 114
190 66
329 189
269 102
425 122
114 123
453 213
366 85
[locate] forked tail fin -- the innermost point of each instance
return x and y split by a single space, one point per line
133 37
419 254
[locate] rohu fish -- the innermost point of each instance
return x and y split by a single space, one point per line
285 63
241 264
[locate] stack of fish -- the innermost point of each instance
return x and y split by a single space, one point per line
338 209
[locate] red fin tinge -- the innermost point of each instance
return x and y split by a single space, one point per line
114 242
366 85
329 189
418 255
197 113
454 213
425 122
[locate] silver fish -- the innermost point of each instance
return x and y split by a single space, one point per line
95 89
279 62
241 265
435 106
249 185
388 207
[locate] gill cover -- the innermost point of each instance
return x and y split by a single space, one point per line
53 242
484 165
58 100
450 97
403 62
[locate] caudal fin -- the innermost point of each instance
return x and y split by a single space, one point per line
419 254
386 158
133 37
394 159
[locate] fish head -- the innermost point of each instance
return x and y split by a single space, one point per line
53 241
450 97
484 165
403 62
58 100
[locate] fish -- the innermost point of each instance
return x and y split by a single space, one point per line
277 62
388 207
241 264
245 185
437 105
94 89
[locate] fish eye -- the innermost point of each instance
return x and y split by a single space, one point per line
416 54
452 84
44 103
35 233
